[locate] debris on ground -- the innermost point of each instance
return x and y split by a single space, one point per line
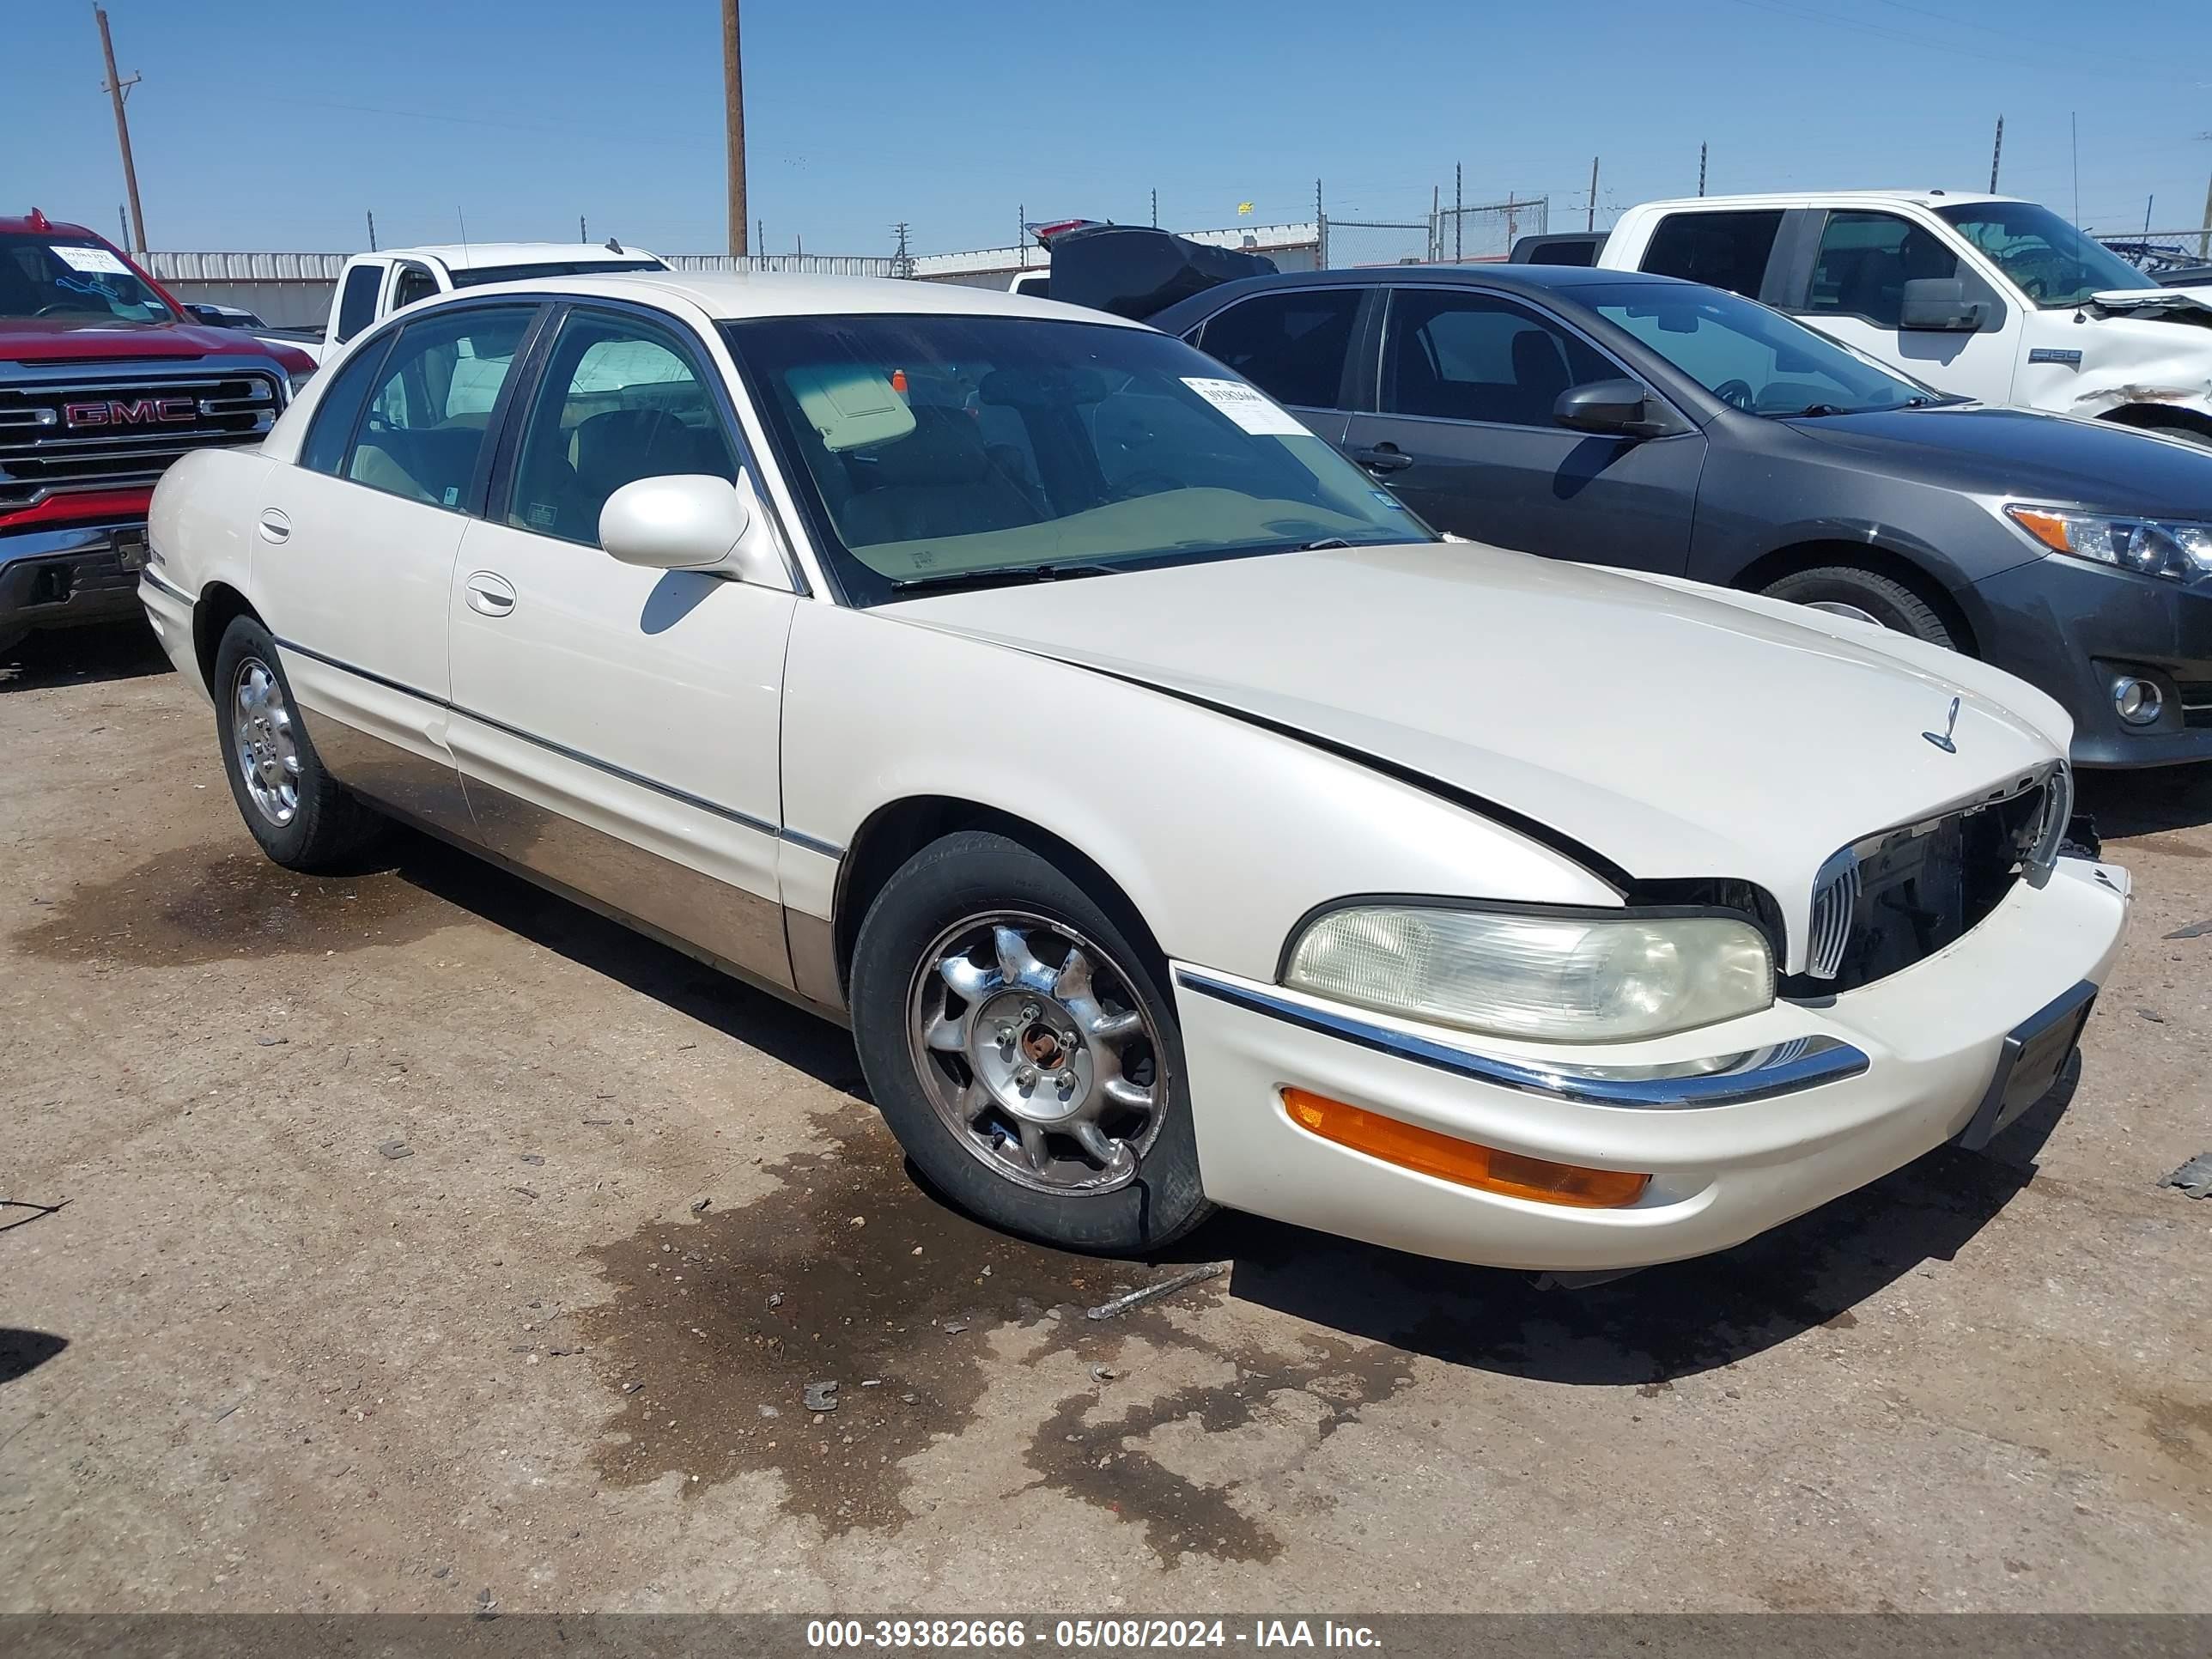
1168 1286
820 1396
699 1205
954 1327
2194 930
1103 1373
2152 1015
396 1148
272 1042
2194 1177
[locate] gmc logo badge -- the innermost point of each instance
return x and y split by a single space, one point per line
134 411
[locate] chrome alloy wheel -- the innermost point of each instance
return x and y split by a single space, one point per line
1037 1054
1840 607
264 741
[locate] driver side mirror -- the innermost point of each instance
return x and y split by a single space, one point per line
1939 305
691 521
1614 408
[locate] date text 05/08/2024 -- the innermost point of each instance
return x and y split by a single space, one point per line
1085 1635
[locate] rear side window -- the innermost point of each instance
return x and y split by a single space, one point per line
1293 344
1866 259
357 301
428 415
1726 250
338 411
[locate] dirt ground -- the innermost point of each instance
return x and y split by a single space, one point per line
383 1282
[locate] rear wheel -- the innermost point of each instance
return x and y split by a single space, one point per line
1845 590
298 812
1022 1048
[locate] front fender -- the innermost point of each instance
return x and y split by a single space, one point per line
1221 833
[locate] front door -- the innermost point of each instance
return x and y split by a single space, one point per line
1465 435
1296 344
1856 295
616 726
353 549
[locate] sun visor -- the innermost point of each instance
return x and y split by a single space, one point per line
849 405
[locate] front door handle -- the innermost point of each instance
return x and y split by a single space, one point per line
1382 458
491 595
275 526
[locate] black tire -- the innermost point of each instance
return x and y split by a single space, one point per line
973 874
1886 599
329 829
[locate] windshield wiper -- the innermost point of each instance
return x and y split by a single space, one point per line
1004 575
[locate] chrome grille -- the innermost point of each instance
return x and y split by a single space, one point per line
41 454
1835 902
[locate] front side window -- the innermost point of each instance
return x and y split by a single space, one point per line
1291 344
621 400
424 429
357 301
1723 248
72 277
937 449
1744 354
1865 261
1475 357
2053 263
414 284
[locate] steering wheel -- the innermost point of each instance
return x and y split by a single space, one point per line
1146 483
1738 394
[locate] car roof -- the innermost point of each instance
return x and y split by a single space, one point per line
732 296
1561 280
481 256
23 226
1928 198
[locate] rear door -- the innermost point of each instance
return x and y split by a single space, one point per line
1297 344
616 726
355 546
1463 431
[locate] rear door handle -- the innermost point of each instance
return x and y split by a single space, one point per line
275 526
492 595
1382 458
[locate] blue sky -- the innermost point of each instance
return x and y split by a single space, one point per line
264 125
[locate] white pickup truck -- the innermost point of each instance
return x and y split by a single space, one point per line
1988 297
374 285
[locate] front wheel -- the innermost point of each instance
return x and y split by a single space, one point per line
1845 590
1023 1051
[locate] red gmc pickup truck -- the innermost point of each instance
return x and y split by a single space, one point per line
104 381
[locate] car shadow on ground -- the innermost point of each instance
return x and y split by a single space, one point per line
1646 1329
23 1351
2144 803
72 656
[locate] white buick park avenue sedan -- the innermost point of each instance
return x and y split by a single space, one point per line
1175 820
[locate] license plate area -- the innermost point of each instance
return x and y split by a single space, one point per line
2035 1052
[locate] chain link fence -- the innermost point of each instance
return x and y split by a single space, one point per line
1489 231
1485 231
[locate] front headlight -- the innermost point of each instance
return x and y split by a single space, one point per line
2175 549
1552 978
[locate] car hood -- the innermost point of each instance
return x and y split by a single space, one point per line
80 339
2180 304
1671 729
2033 456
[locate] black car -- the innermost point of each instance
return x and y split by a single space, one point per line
1639 420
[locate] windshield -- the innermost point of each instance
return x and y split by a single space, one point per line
941 449
2053 263
1747 355
52 276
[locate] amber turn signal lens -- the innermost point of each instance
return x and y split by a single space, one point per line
1450 1158
2047 527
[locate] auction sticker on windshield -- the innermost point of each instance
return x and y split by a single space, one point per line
1247 406
91 258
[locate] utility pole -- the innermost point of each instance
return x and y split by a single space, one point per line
1156 209
583 233
2204 240
372 230
1996 154
122 223
117 88
1459 211
1701 167
1589 221
733 113
903 266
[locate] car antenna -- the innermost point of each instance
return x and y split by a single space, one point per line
613 246
464 219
